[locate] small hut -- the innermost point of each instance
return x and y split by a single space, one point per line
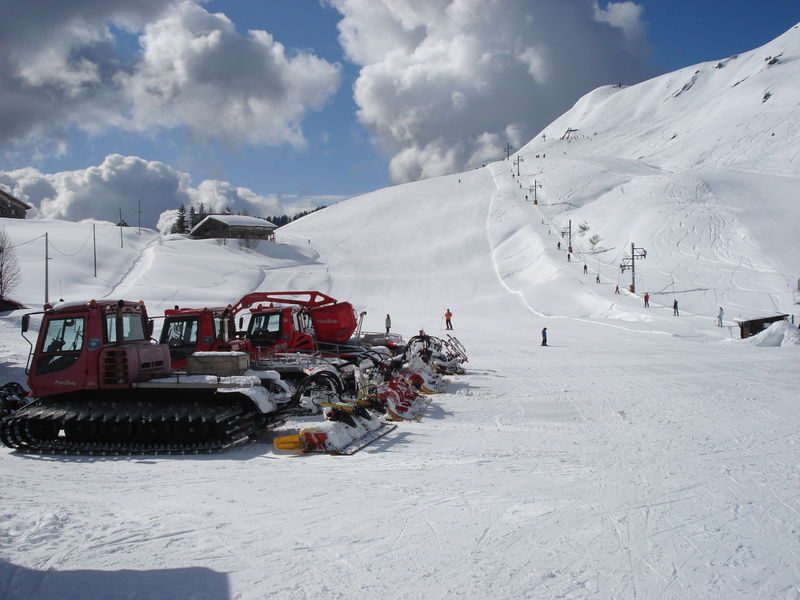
12 207
234 227
753 327
7 304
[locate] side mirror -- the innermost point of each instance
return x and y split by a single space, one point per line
26 323
150 325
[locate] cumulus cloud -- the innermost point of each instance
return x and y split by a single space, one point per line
58 63
197 70
628 17
62 65
131 183
443 83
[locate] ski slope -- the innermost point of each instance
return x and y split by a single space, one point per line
641 455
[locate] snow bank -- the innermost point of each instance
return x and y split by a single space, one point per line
782 333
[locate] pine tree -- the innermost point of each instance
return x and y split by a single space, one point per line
193 220
201 213
179 226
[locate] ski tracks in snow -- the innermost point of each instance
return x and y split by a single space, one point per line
510 236
710 246
137 271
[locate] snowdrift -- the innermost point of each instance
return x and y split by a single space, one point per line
782 333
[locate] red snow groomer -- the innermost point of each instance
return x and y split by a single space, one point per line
190 330
304 321
280 322
101 385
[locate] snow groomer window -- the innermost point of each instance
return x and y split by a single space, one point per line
132 328
62 344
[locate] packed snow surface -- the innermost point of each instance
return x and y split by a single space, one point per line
642 454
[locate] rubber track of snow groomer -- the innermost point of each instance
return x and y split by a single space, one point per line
130 426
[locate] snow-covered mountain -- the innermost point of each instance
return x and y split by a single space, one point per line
641 455
700 167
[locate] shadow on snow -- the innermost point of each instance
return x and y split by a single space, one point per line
199 583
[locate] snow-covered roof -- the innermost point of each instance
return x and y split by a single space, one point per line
235 221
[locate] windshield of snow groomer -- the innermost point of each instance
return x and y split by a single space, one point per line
181 332
132 327
266 325
219 326
302 322
62 344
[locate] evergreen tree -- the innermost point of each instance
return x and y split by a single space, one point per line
193 220
179 226
201 212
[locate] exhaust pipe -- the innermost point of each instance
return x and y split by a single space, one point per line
360 321
118 322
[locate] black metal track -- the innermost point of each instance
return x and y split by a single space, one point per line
74 425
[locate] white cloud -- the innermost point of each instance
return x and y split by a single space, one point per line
197 71
420 162
626 16
57 66
440 82
61 66
131 183
534 58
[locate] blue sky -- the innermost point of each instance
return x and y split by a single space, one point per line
685 32
395 130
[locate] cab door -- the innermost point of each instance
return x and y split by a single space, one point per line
60 362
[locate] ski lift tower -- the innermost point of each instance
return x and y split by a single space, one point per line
629 262
568 232
536 185
518 160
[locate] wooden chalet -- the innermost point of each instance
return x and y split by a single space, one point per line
234 227
11 207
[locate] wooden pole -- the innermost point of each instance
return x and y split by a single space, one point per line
46 270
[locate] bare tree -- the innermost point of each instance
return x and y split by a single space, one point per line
9 268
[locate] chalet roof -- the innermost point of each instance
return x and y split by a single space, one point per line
770 319
14 200
235 221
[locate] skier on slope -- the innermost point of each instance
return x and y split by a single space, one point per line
675 308
720 316
447 316
544 336
388 324
647 299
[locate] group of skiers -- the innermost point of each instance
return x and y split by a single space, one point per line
674 304
676 312
448 316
